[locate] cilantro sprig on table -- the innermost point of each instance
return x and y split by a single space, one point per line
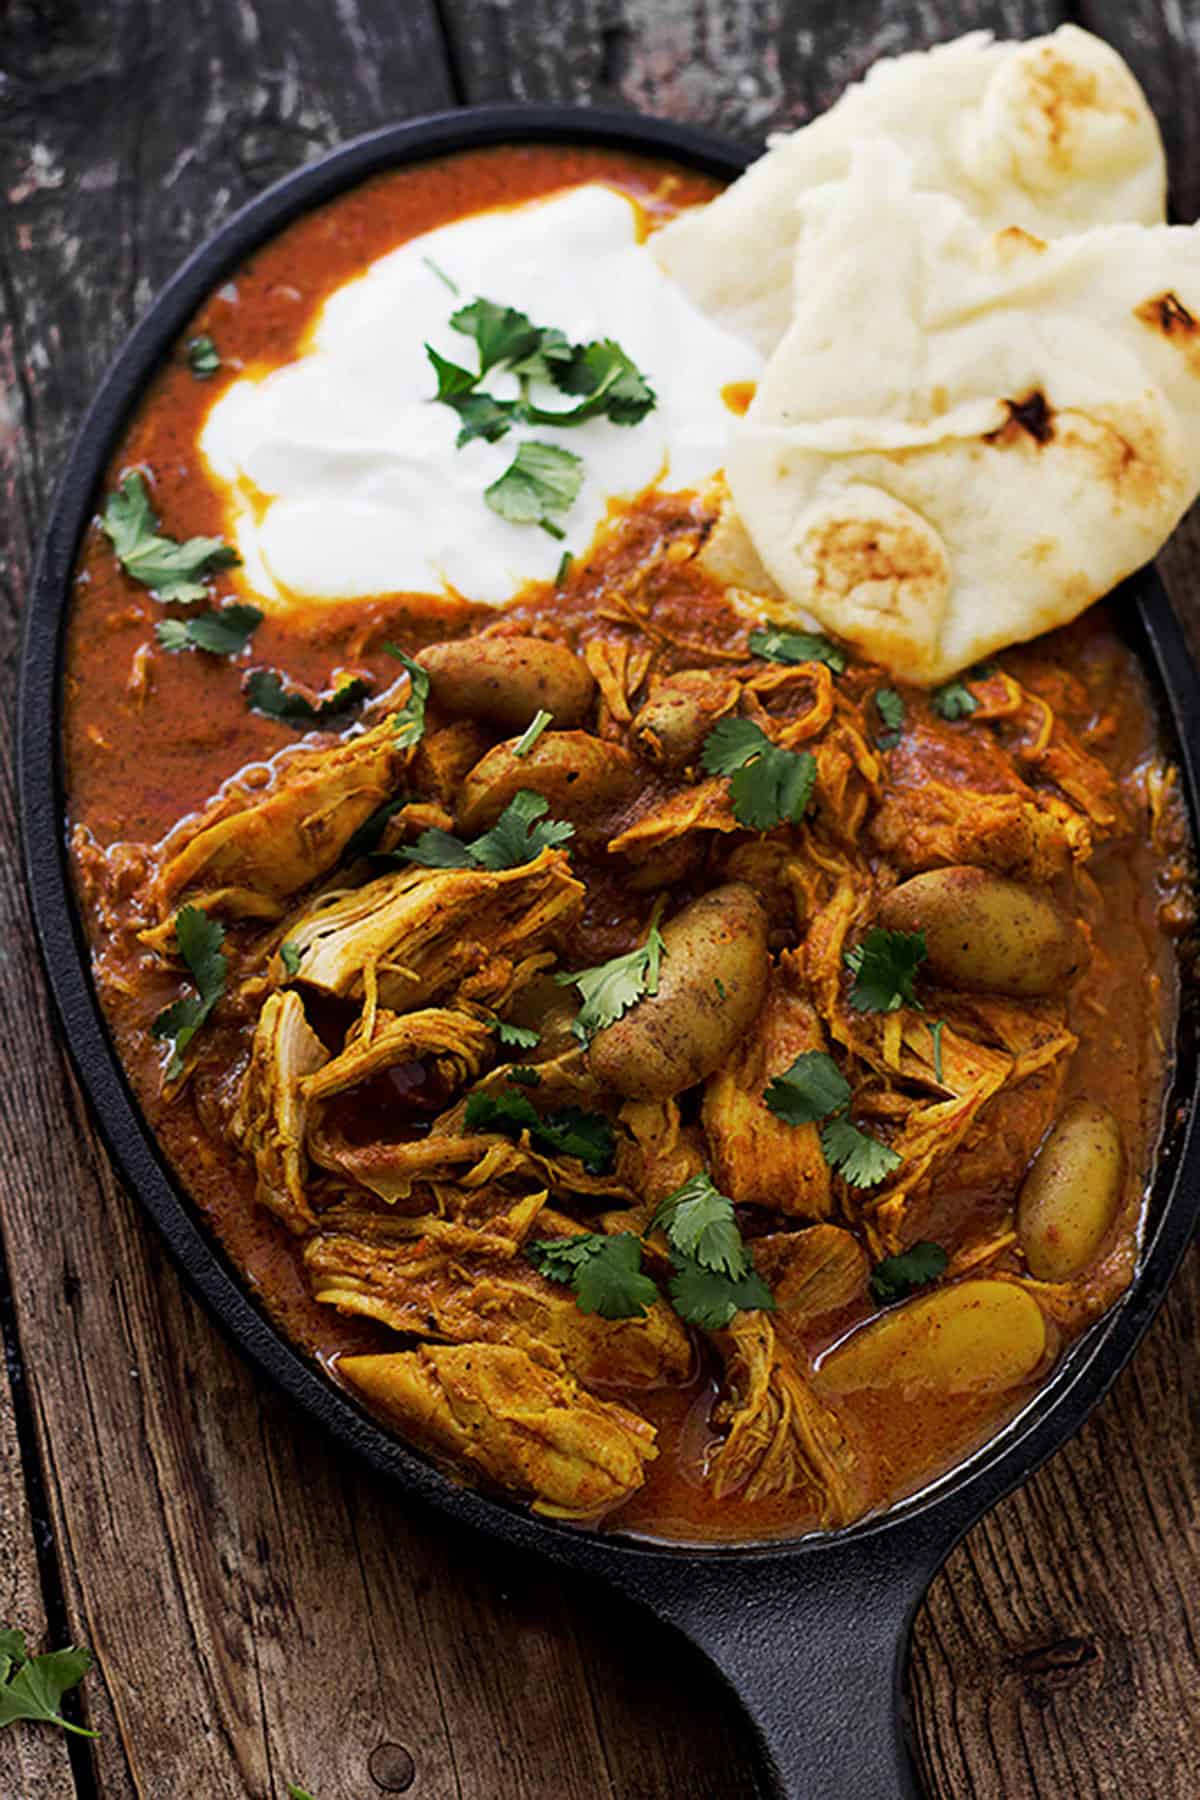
768 785
813 1091
32 1687
174 571
609 989
798 647
565 1131
913 1268
199 940
520 834
712 1279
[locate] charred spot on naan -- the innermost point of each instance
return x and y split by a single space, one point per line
1031 416
1167 313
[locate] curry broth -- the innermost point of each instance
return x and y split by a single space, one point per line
150 736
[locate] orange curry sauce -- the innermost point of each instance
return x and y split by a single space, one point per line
150 736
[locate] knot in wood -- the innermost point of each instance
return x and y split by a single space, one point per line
392 1768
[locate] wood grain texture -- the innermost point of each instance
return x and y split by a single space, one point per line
261 1611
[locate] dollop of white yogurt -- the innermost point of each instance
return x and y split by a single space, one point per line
340 472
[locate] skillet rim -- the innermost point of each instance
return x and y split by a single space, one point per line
936 1515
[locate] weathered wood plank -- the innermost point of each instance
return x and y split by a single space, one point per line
33 1760
742 69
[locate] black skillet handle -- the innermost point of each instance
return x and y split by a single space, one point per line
815 1647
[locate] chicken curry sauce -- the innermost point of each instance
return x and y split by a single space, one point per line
662 1067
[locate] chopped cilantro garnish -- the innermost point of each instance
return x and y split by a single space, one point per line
567 1131
884 967
813 1090
538 487
222 633
703 1297
609 381
861 1160
289 956
366 839
524 1075
199 939
897 1276
32 1687
797 647
564 567
203 357
890 708
515 1037
409 721
605 1272
713 1277
768 785
267 693
936 1028
515 838
532 732
441 274
611 988
954 700
809 1091
174 571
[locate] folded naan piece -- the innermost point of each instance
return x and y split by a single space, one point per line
965 437
1053 135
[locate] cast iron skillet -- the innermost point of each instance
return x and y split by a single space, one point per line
813 1634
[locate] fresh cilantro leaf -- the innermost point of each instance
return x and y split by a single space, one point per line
890 707
611 988
863 1161
896 1276
199 939
954 700
441 274
174 571
884 967
363 841
32 1687
809 1091
524 1075
203 357
605 1272
539 486
797 647
532 732
517 837
700 1226
515 1037
482 416
564 567
409 721
266 693
289 956
767 784
437 849
567 1131
502 333
936 1028
222 633
610 382
710 1299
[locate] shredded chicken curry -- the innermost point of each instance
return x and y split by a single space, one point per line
908 1199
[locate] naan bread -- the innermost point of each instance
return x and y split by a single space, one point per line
1053 135
966 437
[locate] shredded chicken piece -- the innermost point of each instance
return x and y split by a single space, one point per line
413 937
515 1421
757 1159
454 1043
812 1272
252 849
779 1438
705 807
432 1290
270 1121
661 1153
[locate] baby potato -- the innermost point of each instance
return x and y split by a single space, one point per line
671 726
1071 1194
985 933
710 989
506 680
974 1337
577 773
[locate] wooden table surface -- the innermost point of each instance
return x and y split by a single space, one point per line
262 1611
